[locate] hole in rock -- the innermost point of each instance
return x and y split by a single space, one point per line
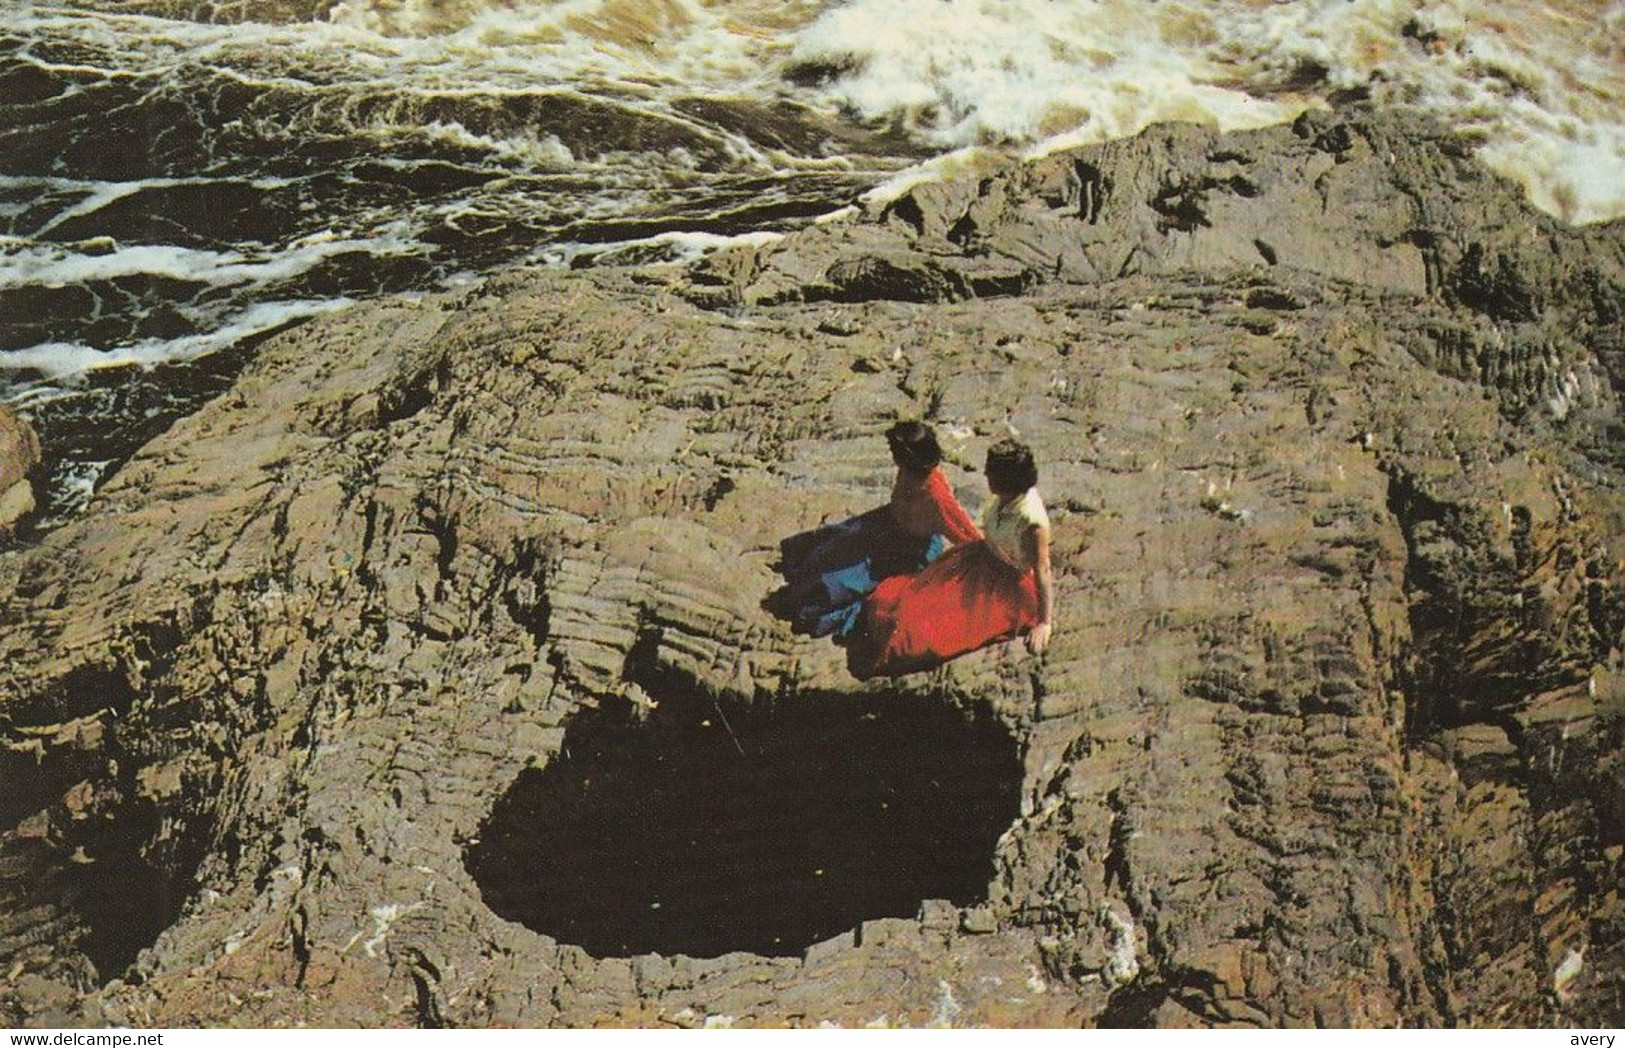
126 908
123 889
104 864
701 828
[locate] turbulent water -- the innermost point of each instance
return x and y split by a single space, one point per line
179 176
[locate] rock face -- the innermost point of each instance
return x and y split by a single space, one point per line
1329 732
19 453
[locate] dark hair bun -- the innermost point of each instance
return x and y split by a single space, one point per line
914 446
1010 467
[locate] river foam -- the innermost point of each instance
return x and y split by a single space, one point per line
1540 87
64 361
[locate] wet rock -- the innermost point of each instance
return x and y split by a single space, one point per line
1328 733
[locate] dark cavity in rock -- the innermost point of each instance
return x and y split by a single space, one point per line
703 827
124 899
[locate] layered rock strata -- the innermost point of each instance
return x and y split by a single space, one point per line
1329 732
19 454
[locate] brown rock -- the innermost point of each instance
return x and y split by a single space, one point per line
19 453
1327 732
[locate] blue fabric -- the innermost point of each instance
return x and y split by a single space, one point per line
831 570
845 589
840 622
853 582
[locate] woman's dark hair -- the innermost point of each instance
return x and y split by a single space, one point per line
1010 467
914 446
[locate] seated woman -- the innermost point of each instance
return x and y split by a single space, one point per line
831 569
973 595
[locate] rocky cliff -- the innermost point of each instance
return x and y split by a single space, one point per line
19 454
343 683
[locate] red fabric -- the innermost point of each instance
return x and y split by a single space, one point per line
968 598
925 507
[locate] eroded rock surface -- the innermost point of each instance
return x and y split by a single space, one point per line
19 453
1329 732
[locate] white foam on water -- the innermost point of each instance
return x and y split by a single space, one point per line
1541 84
546 152
968 72
72 487
1577 175
51 265
387 69
469 45
65 361
968 160
691 43
675 245
95 195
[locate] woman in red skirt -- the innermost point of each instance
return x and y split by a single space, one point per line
973 595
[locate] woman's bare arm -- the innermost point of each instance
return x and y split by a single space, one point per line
1038 637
